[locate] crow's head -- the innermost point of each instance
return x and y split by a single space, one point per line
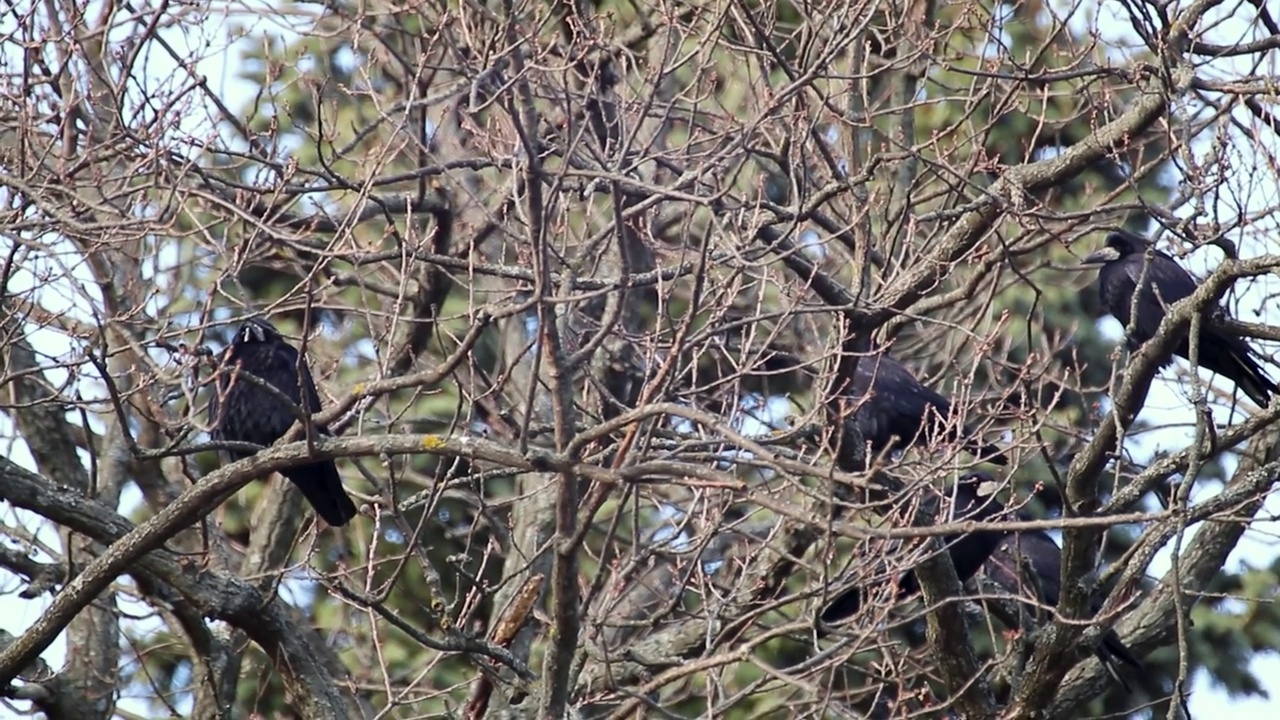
256 330
974 497
1120 243
972 482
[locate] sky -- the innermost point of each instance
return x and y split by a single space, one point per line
1167 404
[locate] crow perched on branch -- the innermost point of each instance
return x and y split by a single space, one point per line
894 409
242 411
1043 558
1122 261
968 551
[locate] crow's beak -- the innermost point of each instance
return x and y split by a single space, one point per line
1101 257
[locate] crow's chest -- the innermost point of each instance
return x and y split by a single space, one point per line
251 412
273 369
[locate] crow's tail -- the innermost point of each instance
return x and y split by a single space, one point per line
322 487
1251 379
1113 651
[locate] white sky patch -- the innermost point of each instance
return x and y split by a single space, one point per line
670 518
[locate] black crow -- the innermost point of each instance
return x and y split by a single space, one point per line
968 551
1122 261
241 411
1043 558
894 409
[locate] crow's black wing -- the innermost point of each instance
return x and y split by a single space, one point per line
1045 560
249 413
968 551
319 481
971 550
1165 284
894 404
